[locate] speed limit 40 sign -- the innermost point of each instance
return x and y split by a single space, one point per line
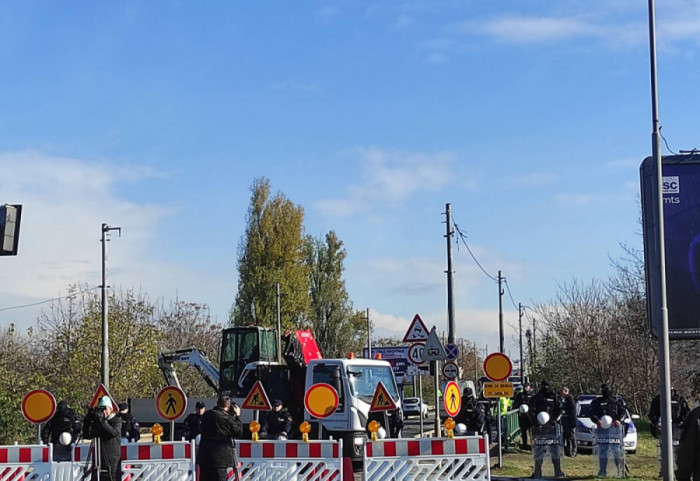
415 353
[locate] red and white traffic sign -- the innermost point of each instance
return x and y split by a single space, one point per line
415 353
38 406
497 366
450 370
416 331
321 400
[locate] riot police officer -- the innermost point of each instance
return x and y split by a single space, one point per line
130 425
471 413
608 405
679 411
276 424
64 420
545 413
522 398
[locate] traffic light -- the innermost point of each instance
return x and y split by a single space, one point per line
10 216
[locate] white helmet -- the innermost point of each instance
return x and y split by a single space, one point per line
381 433
543 417
460 429
65 439
524 408
606 422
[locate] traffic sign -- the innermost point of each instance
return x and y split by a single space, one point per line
433 348
171 403
38 406
414 370
497 366
415 353
321 400
257 399
99 394
498 389
381 401
397 356
452 351
450 370
416 331
452 399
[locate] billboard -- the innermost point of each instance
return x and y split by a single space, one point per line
397 356
681 210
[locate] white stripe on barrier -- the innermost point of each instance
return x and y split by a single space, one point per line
290 460
427 459
24 454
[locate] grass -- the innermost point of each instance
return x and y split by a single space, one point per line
644 464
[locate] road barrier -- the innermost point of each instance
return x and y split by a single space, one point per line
290 460
428 459
25 463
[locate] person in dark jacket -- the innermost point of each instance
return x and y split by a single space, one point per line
471 413
216 451
276 423
614 406
545 401
679 411
568 422
130 426
107 426
64 420
688 459
523 399
193 422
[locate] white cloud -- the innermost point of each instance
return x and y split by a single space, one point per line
390 176
520 29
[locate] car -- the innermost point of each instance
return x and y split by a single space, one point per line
413 406
585 428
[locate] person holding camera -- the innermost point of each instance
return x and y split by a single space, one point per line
104 424
216 453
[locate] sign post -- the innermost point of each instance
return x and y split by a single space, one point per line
321 400
171 403
497 367
434 351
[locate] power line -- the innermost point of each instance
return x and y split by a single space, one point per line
49 300
509 294
461 236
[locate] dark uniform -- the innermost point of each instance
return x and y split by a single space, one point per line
216 451
64 420
107 426
471 413
192 426
276 423
546 401
568 423
611 405
688 459
523 398
679 411
130 425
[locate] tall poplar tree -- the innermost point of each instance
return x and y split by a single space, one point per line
271 251
337 328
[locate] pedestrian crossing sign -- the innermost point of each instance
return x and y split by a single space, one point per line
257 399
381 401
171 403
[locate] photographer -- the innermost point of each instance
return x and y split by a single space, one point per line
104 424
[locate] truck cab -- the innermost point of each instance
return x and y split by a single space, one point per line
356 381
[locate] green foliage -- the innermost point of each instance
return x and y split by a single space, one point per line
271 251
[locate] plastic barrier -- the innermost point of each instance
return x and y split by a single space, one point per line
24 463
290 460
427 459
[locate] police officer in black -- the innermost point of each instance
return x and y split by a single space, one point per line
679 412
614 406
523 398
276 423
130 425
546 400
568 422
64 420
192 426
471 413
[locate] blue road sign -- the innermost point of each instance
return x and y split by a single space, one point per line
452 351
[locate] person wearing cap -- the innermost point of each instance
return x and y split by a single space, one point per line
192 425
130 425
276 424
523 399
216 453
108 428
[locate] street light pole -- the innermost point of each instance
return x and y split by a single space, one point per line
105 301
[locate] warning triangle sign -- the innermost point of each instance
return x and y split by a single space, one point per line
257 399
99 394
381 401
416 331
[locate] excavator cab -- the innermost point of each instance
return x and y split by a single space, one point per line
241 346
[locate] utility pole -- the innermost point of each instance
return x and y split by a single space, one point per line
279 323
369 335
520 325
500 313
105 301
450 293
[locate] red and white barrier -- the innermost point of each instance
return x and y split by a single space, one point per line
290 460
427 459
22 463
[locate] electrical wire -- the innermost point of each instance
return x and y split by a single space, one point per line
664 139
461 236
509 294
49 300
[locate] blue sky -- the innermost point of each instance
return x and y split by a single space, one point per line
530 118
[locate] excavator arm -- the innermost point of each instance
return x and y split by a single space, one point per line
193 357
